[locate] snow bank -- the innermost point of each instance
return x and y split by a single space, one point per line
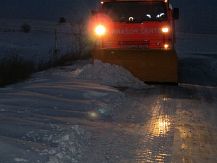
108 74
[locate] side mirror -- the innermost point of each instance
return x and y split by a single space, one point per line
176 13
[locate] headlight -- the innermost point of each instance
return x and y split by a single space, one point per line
100 30
165 29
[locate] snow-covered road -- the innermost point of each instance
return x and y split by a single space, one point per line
42 121
56 118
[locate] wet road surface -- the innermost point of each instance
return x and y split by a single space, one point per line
163 124
171 124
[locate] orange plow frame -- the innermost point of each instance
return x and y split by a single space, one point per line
158 66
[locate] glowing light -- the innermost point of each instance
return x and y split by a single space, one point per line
102 2
148 15
131 19
166 46
100 30
93 115
98 26
165 29
160 15
163 125
160 126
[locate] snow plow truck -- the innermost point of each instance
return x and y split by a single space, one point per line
138 35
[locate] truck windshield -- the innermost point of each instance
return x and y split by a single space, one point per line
135 11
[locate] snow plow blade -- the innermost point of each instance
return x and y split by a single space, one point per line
157 66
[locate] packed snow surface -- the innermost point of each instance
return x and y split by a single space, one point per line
109 74
36 117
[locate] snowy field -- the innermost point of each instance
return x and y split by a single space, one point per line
39 44
197 58
100 113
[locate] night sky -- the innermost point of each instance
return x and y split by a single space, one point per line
196 16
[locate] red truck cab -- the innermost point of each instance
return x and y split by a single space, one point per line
136 24
138 35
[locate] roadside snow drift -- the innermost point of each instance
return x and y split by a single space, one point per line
108 74
36 117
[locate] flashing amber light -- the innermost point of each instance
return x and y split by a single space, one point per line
100 30
165 29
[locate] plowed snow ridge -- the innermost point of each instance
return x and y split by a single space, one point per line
109 74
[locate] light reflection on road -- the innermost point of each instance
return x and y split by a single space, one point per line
160 126
158 135
160 123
